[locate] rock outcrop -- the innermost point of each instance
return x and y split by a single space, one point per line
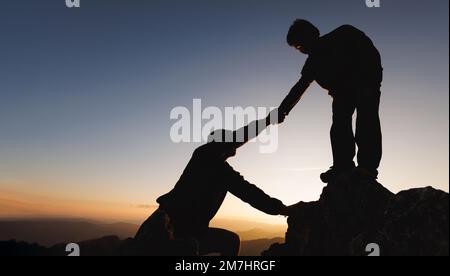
353 215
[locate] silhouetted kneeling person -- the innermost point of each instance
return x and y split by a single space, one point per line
181 224
347 64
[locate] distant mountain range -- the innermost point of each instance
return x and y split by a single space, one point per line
48 232
51 232
256 247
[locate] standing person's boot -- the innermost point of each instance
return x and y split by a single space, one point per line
365 174
368 133
334 173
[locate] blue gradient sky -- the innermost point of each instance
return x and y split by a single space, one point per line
85 94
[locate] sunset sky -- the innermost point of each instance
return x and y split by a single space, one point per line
86 94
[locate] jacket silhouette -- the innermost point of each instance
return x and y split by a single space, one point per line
347 64
343 60
202 188
186 211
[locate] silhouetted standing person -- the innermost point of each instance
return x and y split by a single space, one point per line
182 221
346 63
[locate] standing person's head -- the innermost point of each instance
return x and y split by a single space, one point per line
303 36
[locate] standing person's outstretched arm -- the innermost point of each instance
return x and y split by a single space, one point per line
294 97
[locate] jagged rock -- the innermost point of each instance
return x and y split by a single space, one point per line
416 224
352 213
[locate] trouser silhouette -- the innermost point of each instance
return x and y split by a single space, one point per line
160 236
368 137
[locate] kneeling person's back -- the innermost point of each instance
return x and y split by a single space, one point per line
203 186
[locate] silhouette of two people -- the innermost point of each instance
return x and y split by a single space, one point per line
346 63
181 224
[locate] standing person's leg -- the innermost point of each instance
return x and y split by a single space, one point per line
221 241
368 129
342 137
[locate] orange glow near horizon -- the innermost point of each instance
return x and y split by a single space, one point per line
16 205
25 206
